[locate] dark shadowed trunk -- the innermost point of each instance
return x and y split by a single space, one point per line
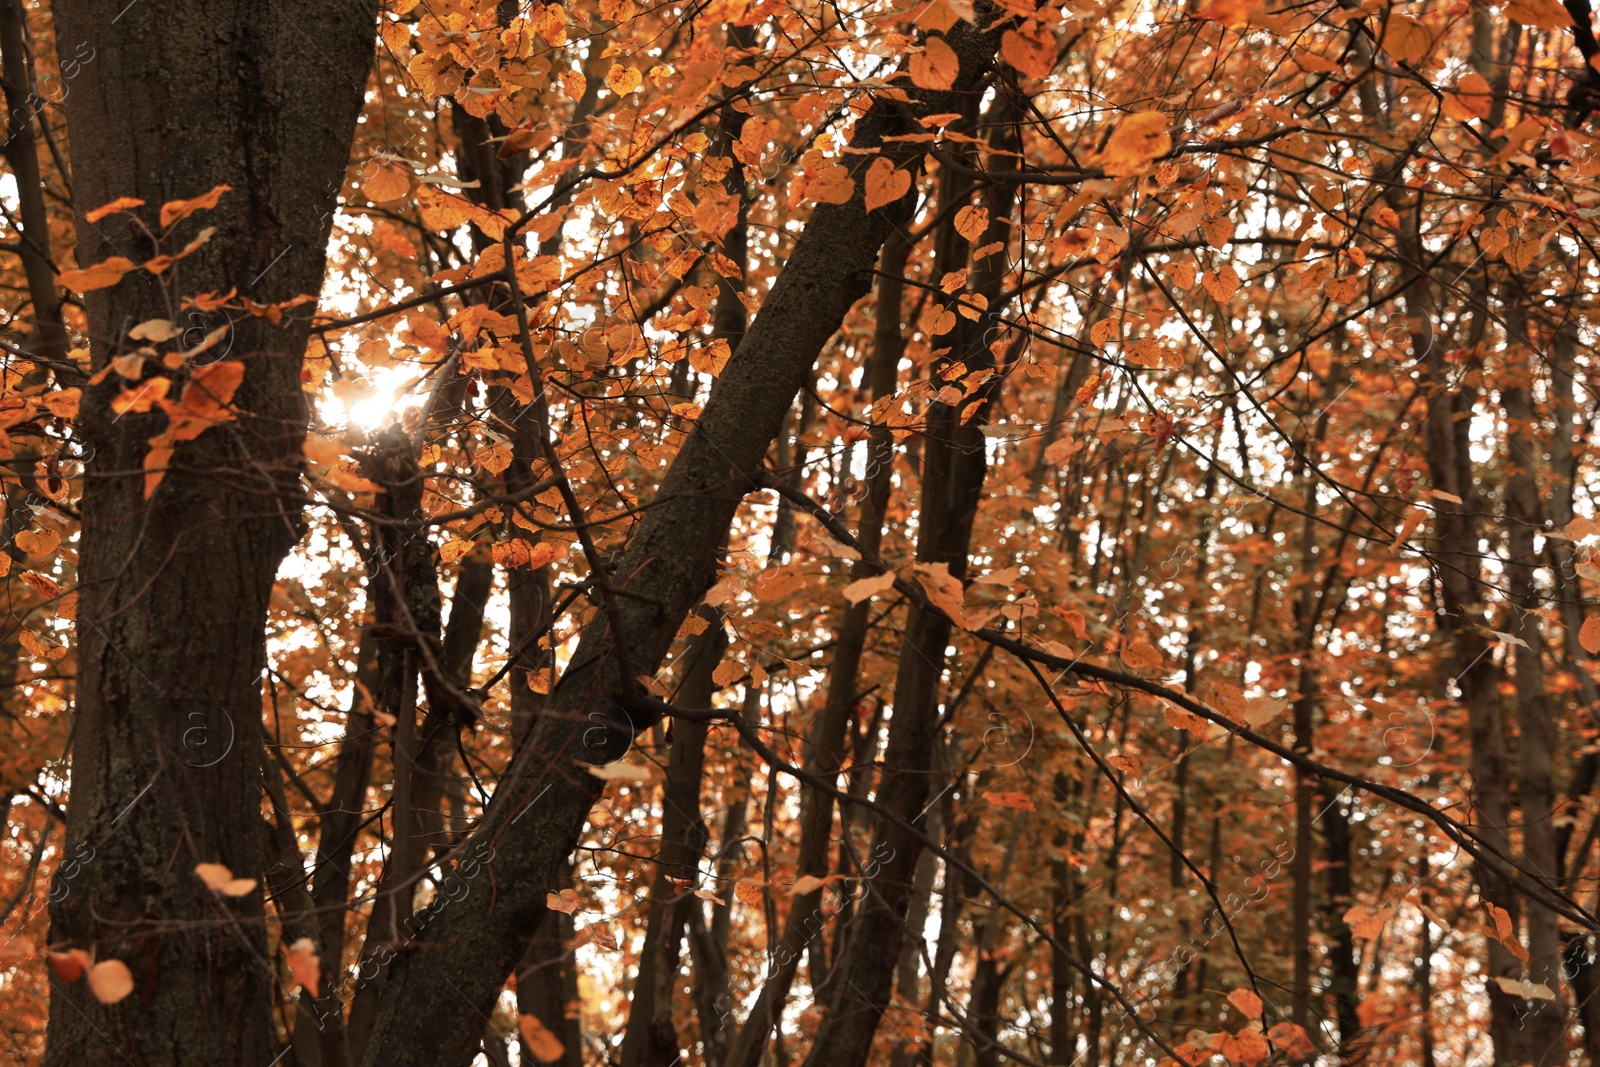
182 97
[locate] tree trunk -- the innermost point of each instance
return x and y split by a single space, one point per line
182 97
671 560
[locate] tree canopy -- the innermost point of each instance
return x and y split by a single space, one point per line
959 532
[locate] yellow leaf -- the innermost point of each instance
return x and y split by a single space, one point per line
936 66
886 183
1136 142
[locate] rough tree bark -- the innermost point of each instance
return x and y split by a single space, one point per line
182 97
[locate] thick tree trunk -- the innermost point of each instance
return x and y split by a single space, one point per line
431 1013
181 97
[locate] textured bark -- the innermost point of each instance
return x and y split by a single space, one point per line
181 97
652 1039
436 992
1544 1020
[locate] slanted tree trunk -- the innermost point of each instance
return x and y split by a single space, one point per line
182 97
431 1012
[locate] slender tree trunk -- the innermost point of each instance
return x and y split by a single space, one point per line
182 97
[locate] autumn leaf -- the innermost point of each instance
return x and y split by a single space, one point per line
864 588
1031 48
1014 801
936 66
219 879
141 397
623 79
110 981
1247 1002
749 893
1405 38
175 211
885 183
305 965
1366 923
387 183
541 1043
972 222
1141 655
38 543
1544 14
1292 1040
102 275
1136 142
121 203
1589 635
833 185
567 902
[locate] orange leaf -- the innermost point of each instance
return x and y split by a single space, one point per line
862 588
1545 14
388 183
567 901
542 1044
833 186
305 964
155 469
1247 1002
121 203
1406 38
1292 1039
623 80
1014 801
1589 636
971 222
886 183
177 210
936 66
141 397
1141 655
1031 49
100 276
110 981
69 966
1135 143
219 879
